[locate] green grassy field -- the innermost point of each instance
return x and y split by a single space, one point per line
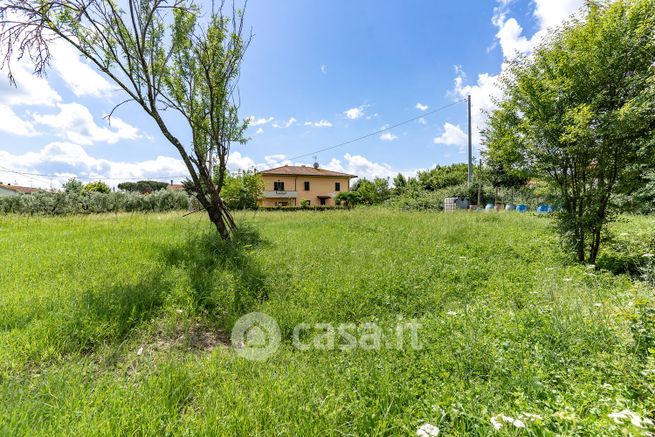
119 324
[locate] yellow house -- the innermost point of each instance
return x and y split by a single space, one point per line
291 185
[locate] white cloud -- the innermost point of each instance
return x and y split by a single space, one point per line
260 131
422 107
272 161
13 124
512 41
551 13
321 123
75 123
30 90
237 161
422 121
354 113
547 13
65 160
365 168
482 93
254 121
324 69
82 79
452 136
290 122
388 137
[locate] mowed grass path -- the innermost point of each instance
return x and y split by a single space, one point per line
117 324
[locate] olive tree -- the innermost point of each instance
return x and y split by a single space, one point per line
165 55
580 113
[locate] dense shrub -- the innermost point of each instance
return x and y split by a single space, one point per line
142 186
62 203
97 187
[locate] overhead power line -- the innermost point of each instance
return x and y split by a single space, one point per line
54 176
304 155
372 134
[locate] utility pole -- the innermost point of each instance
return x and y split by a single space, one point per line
470 178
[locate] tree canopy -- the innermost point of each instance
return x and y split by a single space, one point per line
165 55
580 112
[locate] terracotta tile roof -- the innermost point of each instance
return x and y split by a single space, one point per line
175 187
299 170
19 189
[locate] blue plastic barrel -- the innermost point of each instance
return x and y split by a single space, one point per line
544 209
489 207
522 208
510 207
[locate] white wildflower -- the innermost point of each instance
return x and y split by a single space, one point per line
140 351
452 313
633 417
529 416
567 279
497 421
427 430
598 304
648 255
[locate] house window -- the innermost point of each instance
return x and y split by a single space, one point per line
337 186
306 185
278 186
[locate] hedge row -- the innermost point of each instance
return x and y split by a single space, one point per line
61 203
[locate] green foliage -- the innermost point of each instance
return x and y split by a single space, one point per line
142 186
121 324
88 202
348 198
73 185
373 192
443 176
96 187
305 203
241 191
163 56
578 113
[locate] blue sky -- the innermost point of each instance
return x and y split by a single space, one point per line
317 73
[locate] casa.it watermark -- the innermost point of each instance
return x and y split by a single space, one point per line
257 336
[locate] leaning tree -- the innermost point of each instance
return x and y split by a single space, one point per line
165 56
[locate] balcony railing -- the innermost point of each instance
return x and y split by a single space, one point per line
280 194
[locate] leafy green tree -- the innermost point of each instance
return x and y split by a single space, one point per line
142 186
399 184
165 56
243 190
443 176
96 187
579 112
372 192
348 198
73 185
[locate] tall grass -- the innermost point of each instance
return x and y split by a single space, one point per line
119 324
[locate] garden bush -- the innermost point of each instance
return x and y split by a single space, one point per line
62 203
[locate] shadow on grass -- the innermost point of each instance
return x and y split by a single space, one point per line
224 283
219 271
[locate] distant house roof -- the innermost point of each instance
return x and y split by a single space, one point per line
175 187
301 170
19 189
